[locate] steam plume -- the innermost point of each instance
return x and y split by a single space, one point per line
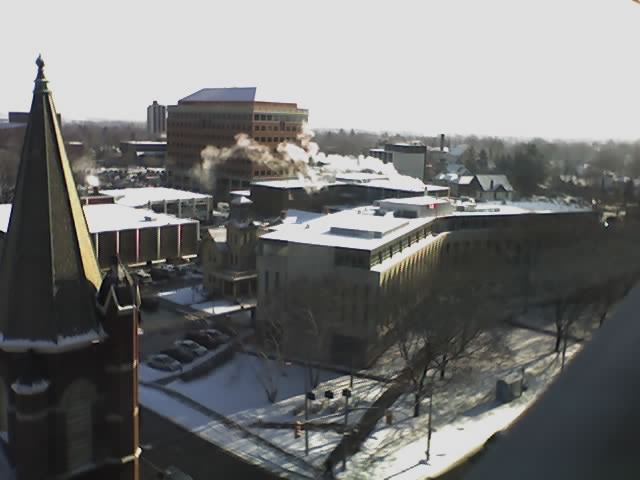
303 160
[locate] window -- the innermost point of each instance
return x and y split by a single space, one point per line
77 404
276 282
266 281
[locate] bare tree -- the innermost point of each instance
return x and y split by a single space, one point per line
439 330
297 322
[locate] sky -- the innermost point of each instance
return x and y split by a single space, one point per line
538 68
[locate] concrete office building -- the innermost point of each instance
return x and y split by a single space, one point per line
137 236
157 120
523 252
215 116
170 201
345 190
409 159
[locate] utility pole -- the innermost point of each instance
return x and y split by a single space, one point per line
429 425
308 396
346 393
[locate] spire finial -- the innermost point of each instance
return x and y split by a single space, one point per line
41 81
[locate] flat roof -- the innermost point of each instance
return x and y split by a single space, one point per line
289 183
401 183
333 230
111 217
423 201
139 197
522 207
143 142
233 94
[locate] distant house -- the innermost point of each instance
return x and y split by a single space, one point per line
484 187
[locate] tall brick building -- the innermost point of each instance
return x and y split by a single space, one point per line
68 343
214 116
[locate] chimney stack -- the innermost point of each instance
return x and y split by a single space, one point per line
442 142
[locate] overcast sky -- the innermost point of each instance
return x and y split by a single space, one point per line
550 68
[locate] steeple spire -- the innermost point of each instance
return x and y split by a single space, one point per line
48 273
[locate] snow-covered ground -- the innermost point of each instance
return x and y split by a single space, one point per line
184 296
464 411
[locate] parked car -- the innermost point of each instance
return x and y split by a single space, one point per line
204 339
195 348
161 361
223 337
143 277
163 272
182 354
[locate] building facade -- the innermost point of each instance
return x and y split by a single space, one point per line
215 117
368 267
145 153
69 343
228 254
156 120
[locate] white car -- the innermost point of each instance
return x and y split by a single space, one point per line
193 347
164 362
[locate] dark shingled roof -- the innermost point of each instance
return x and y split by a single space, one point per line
222 95
48 274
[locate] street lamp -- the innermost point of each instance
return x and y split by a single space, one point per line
429 424
309 396
346 393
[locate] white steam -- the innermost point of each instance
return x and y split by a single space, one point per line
303 160
92 181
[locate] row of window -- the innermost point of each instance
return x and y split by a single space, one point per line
269 117
275 128
274 139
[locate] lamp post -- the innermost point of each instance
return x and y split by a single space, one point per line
346 393
308 396
429 425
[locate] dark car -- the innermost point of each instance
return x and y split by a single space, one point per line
204 339
181 354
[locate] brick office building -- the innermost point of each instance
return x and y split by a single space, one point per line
69 342
215 116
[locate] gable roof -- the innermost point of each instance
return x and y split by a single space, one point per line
234 94
49 273
486 184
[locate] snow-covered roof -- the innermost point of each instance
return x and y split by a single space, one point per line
218 234
291 183
422 200
490 183
240 200
521 207
347 229
369 180
111 217
139 197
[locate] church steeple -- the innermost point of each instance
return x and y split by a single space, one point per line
48 274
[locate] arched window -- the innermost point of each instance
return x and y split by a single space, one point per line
77 404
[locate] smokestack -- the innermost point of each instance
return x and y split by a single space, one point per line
442 142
